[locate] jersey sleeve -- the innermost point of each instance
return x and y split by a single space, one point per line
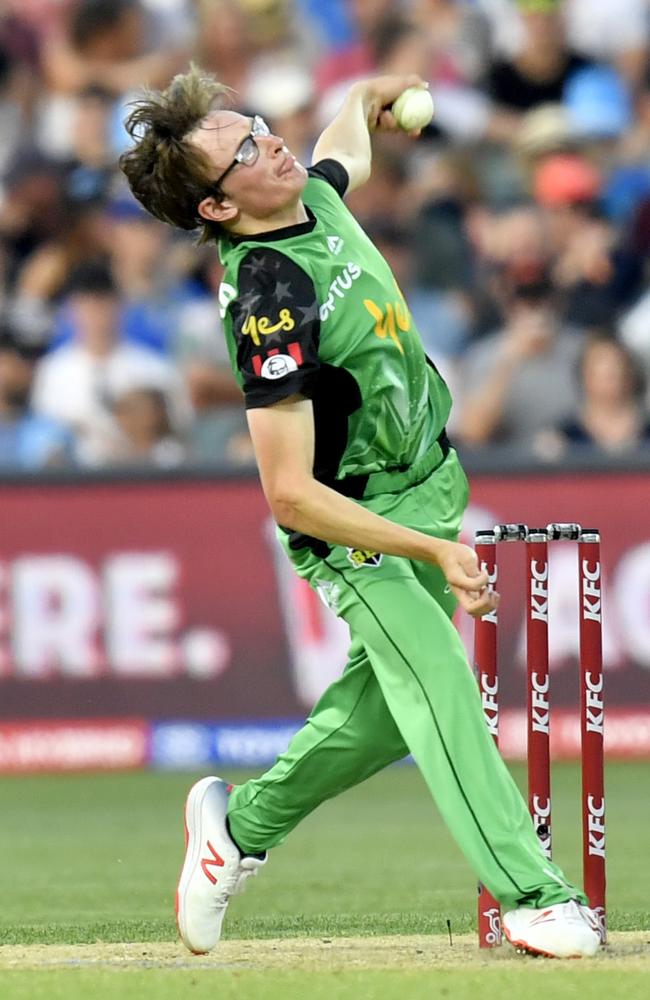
275 325
333 172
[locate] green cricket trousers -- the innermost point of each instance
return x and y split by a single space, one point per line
407 688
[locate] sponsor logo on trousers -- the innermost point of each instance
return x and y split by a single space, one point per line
489 694
590 592
538 591
364 557
539 703
595 710
596 825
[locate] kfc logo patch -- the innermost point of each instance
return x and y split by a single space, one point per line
278 365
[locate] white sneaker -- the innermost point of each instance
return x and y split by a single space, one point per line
566 930
213 869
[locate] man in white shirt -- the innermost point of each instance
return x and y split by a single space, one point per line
78 384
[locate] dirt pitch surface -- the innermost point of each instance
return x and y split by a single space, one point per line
629 950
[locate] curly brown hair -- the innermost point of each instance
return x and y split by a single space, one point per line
167 174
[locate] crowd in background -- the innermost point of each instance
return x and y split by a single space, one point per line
518 225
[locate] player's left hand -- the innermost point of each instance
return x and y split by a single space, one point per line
379 93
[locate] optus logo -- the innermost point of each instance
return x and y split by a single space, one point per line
338 288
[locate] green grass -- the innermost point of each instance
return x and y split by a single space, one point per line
486 984
96 857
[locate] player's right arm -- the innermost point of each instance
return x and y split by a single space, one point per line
283 438
365 109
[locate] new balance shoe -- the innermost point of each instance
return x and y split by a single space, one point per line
565 930
213 870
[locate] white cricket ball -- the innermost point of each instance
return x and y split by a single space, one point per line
413 108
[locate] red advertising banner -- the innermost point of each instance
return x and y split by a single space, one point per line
156 600
171 600
103 744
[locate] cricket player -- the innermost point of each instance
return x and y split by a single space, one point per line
347 418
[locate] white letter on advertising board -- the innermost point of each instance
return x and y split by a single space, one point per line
142 614
55 616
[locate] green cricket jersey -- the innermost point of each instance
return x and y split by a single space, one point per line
314 309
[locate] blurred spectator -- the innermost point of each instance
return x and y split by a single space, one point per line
616 32
220 436
79 383
108 44
199 346
459 38
524 207
543 130
31 210
435 202
27 440
611 415
86 178
522 377
142 266
634 331
511 248
83 182
353 59
223 44
331 22
537 74
19 79
92 160
596 275
598 104
147 434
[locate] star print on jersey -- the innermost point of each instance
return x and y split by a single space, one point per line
276 327
310 314
249 302
261 264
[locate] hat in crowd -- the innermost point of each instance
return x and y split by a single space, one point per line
28 162
627 186
86 186
278 90
93 277
598 103
566 179
543 129
538 6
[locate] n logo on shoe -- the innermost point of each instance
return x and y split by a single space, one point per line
216 861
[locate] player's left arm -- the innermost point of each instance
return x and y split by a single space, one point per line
366 109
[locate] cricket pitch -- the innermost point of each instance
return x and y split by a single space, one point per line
627 950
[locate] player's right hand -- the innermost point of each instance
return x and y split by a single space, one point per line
467 581
379 92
